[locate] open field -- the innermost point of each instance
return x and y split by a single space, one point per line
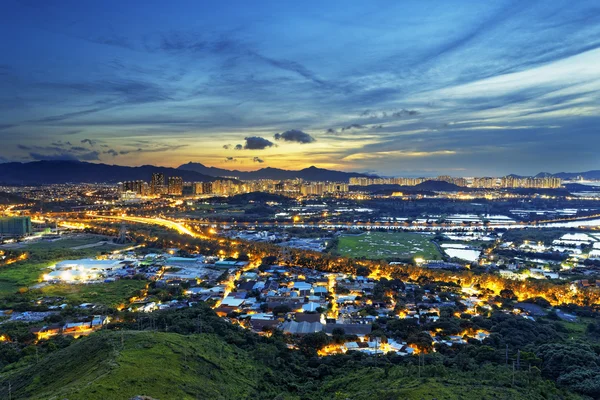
388 245
73 242
21 275
109 294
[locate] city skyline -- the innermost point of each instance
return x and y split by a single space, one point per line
447 88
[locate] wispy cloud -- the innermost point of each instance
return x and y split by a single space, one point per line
497 83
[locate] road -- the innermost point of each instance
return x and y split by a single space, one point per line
179 227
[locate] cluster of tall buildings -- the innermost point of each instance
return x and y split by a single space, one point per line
363 181
321 188
175 186
158 186
548 182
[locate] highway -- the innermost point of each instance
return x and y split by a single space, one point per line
179 227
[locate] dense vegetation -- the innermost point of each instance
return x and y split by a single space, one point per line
191 353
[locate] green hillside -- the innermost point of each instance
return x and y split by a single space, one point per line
404 383
115 365
160 365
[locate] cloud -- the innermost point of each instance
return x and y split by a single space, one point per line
225 45
352 126
89 141
389 114
404 113
60 143
90 156
258 160
111 152
230 159
78 148
61 117
157 149
257 143
398 154
238 147
6 126
295 135
226 146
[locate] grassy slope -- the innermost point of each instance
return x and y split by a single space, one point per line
386 245
172 366
160 365
403 383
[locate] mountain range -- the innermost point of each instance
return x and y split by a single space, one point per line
67 171
588 175
308 174
52 172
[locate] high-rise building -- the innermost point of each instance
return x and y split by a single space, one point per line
189 189
15 226
157 184
138 187
207 187
175 185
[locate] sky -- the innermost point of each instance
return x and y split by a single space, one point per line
398 88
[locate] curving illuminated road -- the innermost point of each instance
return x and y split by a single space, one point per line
179 227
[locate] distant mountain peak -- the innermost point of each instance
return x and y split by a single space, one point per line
311 173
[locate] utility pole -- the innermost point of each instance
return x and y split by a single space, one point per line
506 354
513 374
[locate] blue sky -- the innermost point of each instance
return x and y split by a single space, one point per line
398 88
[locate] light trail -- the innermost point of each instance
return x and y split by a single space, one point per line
179 227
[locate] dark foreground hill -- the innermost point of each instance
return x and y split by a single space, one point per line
228 362
115 365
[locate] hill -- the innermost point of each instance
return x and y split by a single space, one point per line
438 186
593 175
52 172
9 198
111 365
308 174
427 187
125 364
